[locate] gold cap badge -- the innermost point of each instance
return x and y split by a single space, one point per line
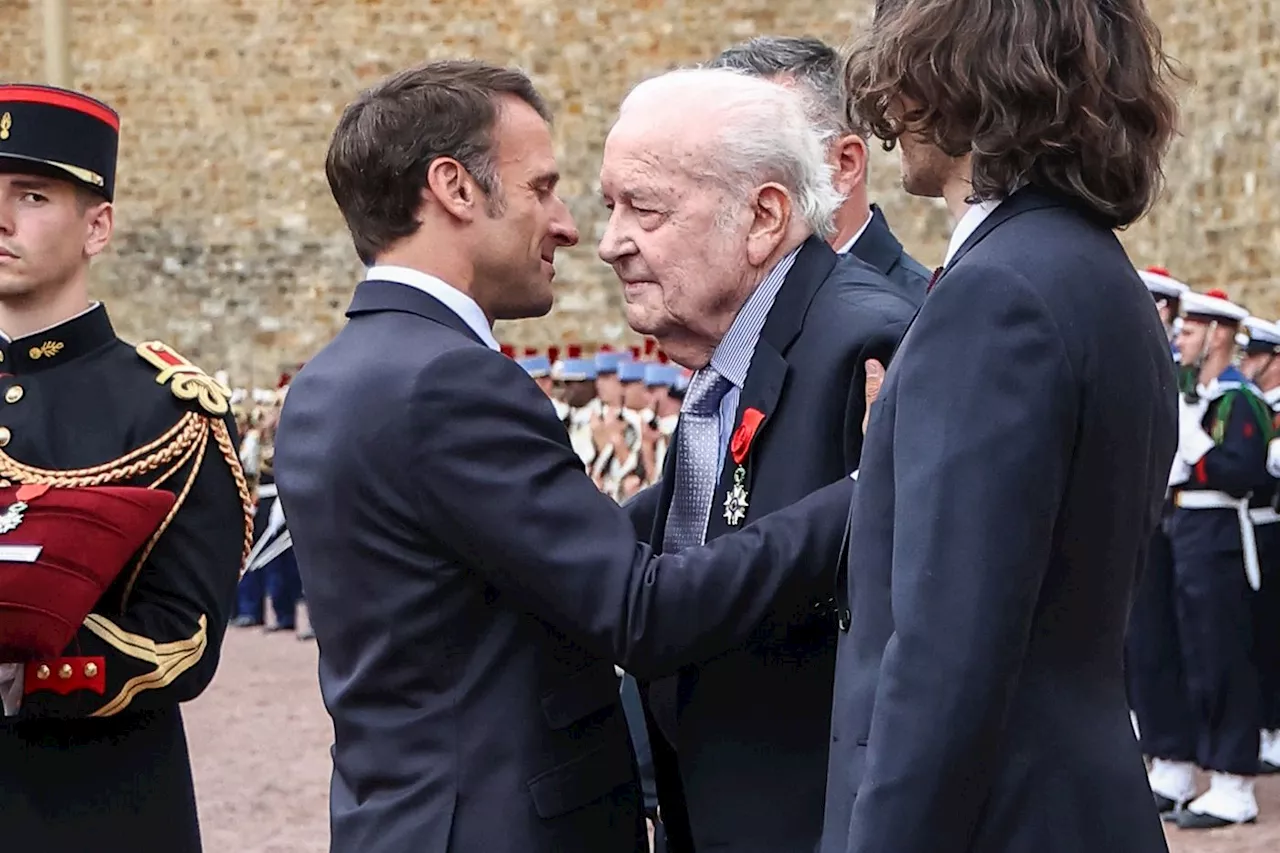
6 122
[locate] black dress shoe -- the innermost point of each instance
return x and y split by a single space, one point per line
1195 820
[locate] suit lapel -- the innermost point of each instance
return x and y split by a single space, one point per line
765 380
374 296
767 375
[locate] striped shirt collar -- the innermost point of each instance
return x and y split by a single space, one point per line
732 357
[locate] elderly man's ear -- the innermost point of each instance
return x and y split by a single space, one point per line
772 213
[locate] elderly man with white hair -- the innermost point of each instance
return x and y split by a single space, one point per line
721 201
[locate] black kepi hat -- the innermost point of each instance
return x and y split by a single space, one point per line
59 133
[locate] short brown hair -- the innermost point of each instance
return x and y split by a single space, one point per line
1069 95
389 135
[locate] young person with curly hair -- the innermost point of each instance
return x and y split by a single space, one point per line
1016 461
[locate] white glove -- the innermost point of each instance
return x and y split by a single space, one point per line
1193 441
1273 457
11 682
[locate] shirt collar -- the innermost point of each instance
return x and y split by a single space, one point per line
732 356
848 246
973 217
455 300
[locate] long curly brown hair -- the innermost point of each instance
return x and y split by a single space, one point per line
1069 95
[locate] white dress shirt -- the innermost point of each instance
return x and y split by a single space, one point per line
973 217
848 246
455 300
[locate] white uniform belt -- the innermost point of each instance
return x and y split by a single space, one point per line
267 491
1264 515
1207 500
1222 500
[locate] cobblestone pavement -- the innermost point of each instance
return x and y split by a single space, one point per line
260 746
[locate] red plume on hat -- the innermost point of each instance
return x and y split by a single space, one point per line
635 353
508 350
573 351
604 348
1159 271
650 347
529 352
663 358
1218 293
553 354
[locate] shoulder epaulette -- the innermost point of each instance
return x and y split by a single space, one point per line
185 380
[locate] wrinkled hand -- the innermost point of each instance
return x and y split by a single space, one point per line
875 376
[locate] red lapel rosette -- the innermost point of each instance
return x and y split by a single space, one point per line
740 446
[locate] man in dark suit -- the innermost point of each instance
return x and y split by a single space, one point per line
814 67
1016 462
469 587
736 282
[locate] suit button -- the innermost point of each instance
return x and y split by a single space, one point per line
845 619
64 671
5 435
14 394
90 669
42 672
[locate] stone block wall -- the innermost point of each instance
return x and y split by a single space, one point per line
229 246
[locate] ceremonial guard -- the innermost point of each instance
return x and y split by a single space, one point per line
580 407
1219 466
539 369
272 569
126 521
1167 292
1261 363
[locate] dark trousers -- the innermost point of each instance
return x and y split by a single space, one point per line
1154 673
1266 625
278 580
1214 607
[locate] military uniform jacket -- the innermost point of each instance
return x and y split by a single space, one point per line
95 758
1237 419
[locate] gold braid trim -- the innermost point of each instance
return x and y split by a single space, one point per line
228 448
146 459
197 449
169 660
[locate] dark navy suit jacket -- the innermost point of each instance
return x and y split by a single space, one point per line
1013 471
470 590
878 247
751 725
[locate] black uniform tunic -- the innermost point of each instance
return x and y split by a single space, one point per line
106 769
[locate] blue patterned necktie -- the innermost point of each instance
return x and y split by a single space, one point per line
697 458
696 476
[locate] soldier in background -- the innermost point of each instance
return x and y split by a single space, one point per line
271 571
1220 463
579 406
539 369
1167 292
1261 363
149 513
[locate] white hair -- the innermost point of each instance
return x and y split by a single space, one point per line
761 131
